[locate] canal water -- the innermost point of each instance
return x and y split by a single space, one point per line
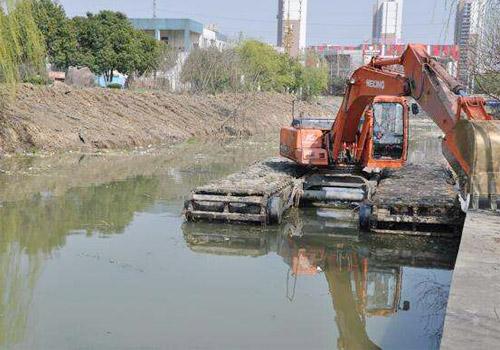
94 254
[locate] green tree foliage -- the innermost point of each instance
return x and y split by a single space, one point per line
314 81
489 83
337 86
108 42
150 53
261 64
104 42
22 49
313 77
58 31
253 65
266 69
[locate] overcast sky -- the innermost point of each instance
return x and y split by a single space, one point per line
329 21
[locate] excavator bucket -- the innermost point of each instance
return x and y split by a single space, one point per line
479 144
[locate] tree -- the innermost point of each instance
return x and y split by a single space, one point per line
212 70
314 81
485 52
58 31
253 66
314 77
266 69
151 53
22 50
482 51
261 63
289 73
107 42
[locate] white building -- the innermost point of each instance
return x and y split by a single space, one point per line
292 26
212 38
387 22
182 34
469 24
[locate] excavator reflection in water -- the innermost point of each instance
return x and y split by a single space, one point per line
358 290
364 273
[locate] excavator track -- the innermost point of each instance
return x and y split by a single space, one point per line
417 200
259 194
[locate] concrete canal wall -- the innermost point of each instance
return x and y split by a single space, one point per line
473 313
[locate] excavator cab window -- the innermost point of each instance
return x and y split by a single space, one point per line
388 130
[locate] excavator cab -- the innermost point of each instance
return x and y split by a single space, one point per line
379 141
383 142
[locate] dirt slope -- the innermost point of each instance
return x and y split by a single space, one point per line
59 117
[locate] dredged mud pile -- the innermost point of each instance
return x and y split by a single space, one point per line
430 185
261 178
60 117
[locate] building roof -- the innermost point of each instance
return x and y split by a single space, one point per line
167 24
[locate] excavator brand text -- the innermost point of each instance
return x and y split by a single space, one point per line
375 84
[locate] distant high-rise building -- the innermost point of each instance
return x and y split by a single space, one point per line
387 22
292 26
468 27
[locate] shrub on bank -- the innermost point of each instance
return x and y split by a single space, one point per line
114 86
252 66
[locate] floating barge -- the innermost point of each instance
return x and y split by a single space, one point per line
417 200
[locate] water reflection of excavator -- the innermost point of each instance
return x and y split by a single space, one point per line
472 138
358 290
365 277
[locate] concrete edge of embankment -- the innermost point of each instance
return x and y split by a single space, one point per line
473 313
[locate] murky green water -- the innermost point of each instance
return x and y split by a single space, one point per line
94 254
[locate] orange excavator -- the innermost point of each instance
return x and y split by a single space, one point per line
370 131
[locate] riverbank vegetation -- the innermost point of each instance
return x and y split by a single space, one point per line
22 51
105 42
253 66
35 33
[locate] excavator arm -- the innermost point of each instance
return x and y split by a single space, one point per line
472 138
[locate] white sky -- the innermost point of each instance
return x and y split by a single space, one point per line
330 21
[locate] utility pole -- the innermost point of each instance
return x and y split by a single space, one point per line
154 8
